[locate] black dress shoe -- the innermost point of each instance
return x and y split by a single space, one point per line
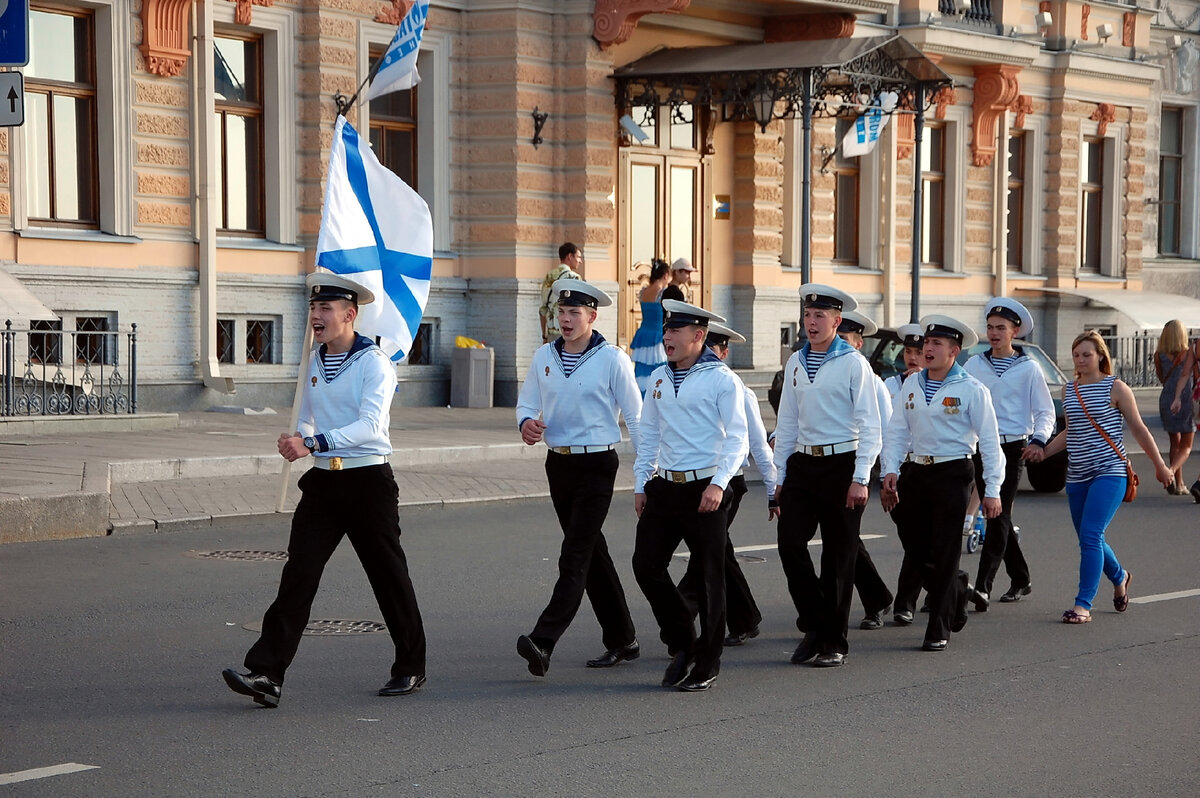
538 658
263 690
677 671
697 684
806 650
903 618
934 645
740 638
979 599
1016 593
830 660
874 620
615 655
925 605
402 685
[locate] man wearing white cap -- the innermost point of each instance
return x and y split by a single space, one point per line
350 491
826 440
940 415
573 392
742 615
680 288
1025 417
692 442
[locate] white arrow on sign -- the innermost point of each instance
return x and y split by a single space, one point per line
12 98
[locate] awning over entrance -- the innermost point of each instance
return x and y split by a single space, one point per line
18 305
1149 310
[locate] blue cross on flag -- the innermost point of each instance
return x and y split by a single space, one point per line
399 68
862 135
376 231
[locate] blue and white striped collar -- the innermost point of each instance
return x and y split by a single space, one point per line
837 348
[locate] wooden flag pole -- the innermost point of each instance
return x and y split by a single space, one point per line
305 359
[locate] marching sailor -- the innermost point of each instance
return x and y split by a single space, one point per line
826 440
742 615
571 397
941 414
692 442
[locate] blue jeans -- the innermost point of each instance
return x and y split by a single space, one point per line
1093 505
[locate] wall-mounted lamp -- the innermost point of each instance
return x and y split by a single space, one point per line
1172 43
1104 32
764 105
539 121
1044 21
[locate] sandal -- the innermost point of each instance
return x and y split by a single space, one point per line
1121 603
1070 616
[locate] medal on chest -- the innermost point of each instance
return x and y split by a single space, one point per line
909 404
951 405
656 393
314 382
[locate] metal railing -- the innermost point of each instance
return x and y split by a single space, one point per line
980 12
67 372
1133 357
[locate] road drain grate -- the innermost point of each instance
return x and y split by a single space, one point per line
332 628
240 555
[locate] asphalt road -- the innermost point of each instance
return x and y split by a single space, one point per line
111 652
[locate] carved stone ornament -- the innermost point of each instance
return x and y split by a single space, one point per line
395 12
613 21
906 132
243 11
1021 106
165 36
1104 113
996 88
1128 23
1083 21
944 98
810 27
1044 5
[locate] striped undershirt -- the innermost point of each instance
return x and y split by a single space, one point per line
1088 454
931 388
677 377
1002 364
330 363
569 361
813 362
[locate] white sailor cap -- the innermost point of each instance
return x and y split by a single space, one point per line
935 325
720 335
573 291
681 314
327 285
912 334
816 295
855 322
1012 310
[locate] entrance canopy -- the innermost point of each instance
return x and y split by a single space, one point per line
777 80
18 305
1148 310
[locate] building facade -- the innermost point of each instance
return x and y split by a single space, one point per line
170 173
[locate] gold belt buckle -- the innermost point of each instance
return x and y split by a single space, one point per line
818 451
925 459
678 477
335 464
562 449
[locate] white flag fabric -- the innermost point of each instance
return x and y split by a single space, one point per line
399 68
376 231
861 137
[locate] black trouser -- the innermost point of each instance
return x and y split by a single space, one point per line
937 496
671 514
581 487
361 504
741 611
908 584
814 494
1000 543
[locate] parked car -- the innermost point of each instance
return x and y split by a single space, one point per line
884 350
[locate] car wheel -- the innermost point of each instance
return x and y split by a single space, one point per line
1048 476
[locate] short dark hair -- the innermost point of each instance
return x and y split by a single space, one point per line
658 268
567 249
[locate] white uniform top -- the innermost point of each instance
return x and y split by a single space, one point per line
581 410
883 399
704 425
350 414
1020 396
838 405
759 448
959 418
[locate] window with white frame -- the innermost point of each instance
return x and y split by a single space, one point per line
933 196
1170 182
1091 212
238 90
845 200
249 340
1017 197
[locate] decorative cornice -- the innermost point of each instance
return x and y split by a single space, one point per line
1104 113
810 27
996 88
165 36
613 21
1022 106
395 12
244 11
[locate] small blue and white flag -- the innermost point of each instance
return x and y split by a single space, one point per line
376 231
399 68
860 139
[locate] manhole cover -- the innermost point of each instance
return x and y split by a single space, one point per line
750 558
332 628
242 555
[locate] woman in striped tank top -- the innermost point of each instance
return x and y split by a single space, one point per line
1095 472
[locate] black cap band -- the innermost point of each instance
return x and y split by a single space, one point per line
716 339
683 319
942 331
1005 312
850 326
577 299
822 301
323 292
914 340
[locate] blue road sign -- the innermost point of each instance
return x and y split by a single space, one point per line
14 33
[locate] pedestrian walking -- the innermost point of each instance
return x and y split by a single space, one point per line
574 393
646 348
1098 406
349 492
693 440
1175 364
570 261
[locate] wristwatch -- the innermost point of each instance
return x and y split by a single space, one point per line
311 443
862 481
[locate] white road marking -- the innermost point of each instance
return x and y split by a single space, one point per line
1164 596
42 773
683 555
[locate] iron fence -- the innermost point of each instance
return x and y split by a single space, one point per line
1133 357
49 372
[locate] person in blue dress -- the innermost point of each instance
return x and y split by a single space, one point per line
646 348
